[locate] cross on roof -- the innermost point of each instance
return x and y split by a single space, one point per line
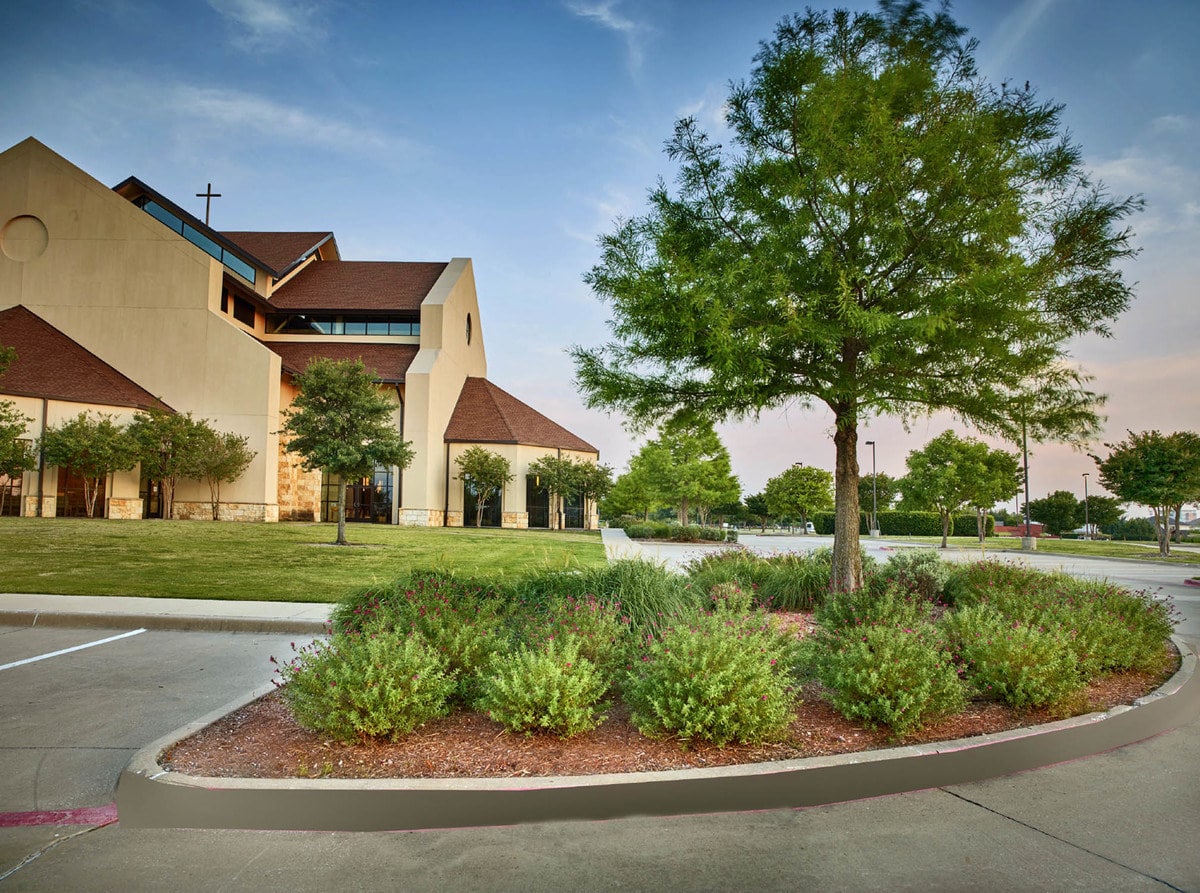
208 195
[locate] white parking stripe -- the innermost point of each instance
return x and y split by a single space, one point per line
30 660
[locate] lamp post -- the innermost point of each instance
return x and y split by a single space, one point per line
874 493
1087 527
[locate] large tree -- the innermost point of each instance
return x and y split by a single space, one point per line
92 447
634 492
341 423
889 233
1161 471
691 467
798 492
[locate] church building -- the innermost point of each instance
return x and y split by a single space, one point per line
117 300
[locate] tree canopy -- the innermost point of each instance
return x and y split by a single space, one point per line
888 234
341 423
1161 471
1057 512
798 492
167 444
221 457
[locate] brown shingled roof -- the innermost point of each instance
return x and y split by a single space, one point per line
373 286
51 365
488 414
388 361
281 250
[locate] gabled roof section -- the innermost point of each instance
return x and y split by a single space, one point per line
488 414
51 365
371 286
388 361
281 250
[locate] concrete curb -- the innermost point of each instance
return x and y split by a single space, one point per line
150 797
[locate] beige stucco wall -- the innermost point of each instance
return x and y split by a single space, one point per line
141 298
433 382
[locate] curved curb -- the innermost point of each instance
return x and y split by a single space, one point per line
150 797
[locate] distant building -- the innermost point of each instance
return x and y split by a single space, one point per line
117 300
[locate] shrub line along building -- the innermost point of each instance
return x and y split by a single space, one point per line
118 300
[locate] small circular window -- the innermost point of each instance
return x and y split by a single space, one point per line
468 328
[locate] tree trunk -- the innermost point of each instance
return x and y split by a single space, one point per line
1162 527
341 531
945 527
91 487
981 522
683 512
847 573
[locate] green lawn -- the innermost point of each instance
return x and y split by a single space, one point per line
269 562
1096 548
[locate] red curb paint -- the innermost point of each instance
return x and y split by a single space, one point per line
87 815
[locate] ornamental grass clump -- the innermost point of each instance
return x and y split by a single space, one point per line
724 676
550 687
889 675
648 594
1024 666
365 685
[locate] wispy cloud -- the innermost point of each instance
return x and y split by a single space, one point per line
709 110
269 24
605 14
1011 32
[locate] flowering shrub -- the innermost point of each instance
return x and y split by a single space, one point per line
919 570
550 687
883 603
598 629
366 685
889 675
725 677
1024 666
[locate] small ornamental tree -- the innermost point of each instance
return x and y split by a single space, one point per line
166 445
884 232
758 509
342 424
485 473
92 447
1161 471
556 475
220 458
996 477
593 481
1102 511
16 457
1059 512
799 492
886 489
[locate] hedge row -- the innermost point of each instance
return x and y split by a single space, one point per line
895 523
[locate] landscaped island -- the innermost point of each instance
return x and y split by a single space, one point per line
741 659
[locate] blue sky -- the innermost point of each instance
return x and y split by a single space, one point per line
515 133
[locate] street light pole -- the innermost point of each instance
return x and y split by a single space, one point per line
1087 527
874 493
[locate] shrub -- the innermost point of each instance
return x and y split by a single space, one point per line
725 677
892 676
712 534
883 603
1024 666
647 594
978 581
597 628
921 570
726 566
638 531
550 687
365 685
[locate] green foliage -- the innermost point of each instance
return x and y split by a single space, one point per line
363 685
340 422
1155 470
883 232
484 473
908 523
461 619
886 489
922 571
647 594
166 446
16 455
723 677
219 458
798 492
1135 529
562 476
901 677
597 628
951 473
883 603
94 448
551 687
690 467
1059 512
1025 666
